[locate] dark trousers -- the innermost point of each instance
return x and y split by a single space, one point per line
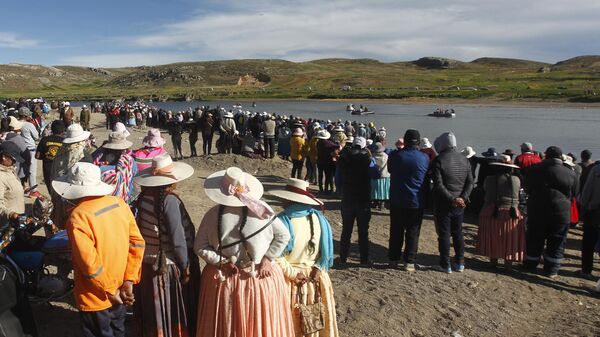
588 245
47 172
405 223
449 224
193 140
207 143
326 172
553 236
105 323
311 171
361 212
297 168
269 147
177 147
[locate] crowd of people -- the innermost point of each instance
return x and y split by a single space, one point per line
266 274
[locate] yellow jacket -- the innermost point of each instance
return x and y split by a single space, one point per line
297 148
107 249
313 152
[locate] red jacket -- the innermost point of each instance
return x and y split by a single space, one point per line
527 159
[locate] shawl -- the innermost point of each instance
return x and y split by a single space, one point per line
120 175
325 257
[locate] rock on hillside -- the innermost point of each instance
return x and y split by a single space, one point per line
588 61
436 63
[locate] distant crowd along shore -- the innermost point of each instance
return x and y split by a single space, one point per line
258 261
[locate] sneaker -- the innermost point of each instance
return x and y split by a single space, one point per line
459 268
410 267
444 270
35 194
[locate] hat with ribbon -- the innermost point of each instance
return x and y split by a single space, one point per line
296 190
163 172
504 160
236 188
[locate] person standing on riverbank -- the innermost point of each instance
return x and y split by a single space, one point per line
268 127
452 185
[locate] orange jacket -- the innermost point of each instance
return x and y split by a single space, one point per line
107 249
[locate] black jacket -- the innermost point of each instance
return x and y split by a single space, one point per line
551 187
354 169
452 178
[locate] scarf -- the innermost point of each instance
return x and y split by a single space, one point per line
120 176
325 257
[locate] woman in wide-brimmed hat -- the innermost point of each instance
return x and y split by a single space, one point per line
243 292
167 292
153 146
117 164
328 152
380 187
298 151
309 253
501 230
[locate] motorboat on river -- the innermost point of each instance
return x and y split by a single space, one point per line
359 111
443 113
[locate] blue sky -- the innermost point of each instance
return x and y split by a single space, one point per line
113 33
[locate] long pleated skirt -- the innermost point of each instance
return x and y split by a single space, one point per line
502 237
163 306
308 296
244 306
380 189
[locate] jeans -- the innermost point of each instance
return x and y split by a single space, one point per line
297 168
449 224
405 223
105 323
361 212
553 236
269 147
207 143
311 171
588 245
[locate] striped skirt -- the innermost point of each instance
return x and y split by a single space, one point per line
244 306
380 189
502 237
163 306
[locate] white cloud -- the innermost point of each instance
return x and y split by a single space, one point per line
11 40
123 60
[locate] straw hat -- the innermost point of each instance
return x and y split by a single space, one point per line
163 172
323 134
75 134
468 152
217 186
153 139
296 190
504 160
15 124
117 141
82 180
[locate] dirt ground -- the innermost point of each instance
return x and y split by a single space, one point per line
379 301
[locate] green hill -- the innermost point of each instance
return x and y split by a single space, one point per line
576 79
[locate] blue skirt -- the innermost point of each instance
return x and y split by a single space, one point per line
380 189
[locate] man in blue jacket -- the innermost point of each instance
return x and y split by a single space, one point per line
407 168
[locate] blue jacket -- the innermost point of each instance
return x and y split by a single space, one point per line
407 169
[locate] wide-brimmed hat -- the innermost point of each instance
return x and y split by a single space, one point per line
468 152
508 152
568 160
11 149
82 180
15 124
426 144
153 139
117 141
163 172
75 134
350 140
120 127
221 186
296 190
360 142
298 132
24 111
339 128
491 152
504 160
228 115
323 134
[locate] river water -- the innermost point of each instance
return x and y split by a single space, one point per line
502 127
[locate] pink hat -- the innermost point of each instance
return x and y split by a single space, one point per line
298 132
120 127
153 139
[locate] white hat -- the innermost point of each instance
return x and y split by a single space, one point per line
82 180
504 160
339 128
84 106
360 141
120 127
117 141
568 160
75 134
323 134
153 138
217 186
67 103
15 123
350 139
297 190
228 115
369 142
163 172
426 144
467 152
